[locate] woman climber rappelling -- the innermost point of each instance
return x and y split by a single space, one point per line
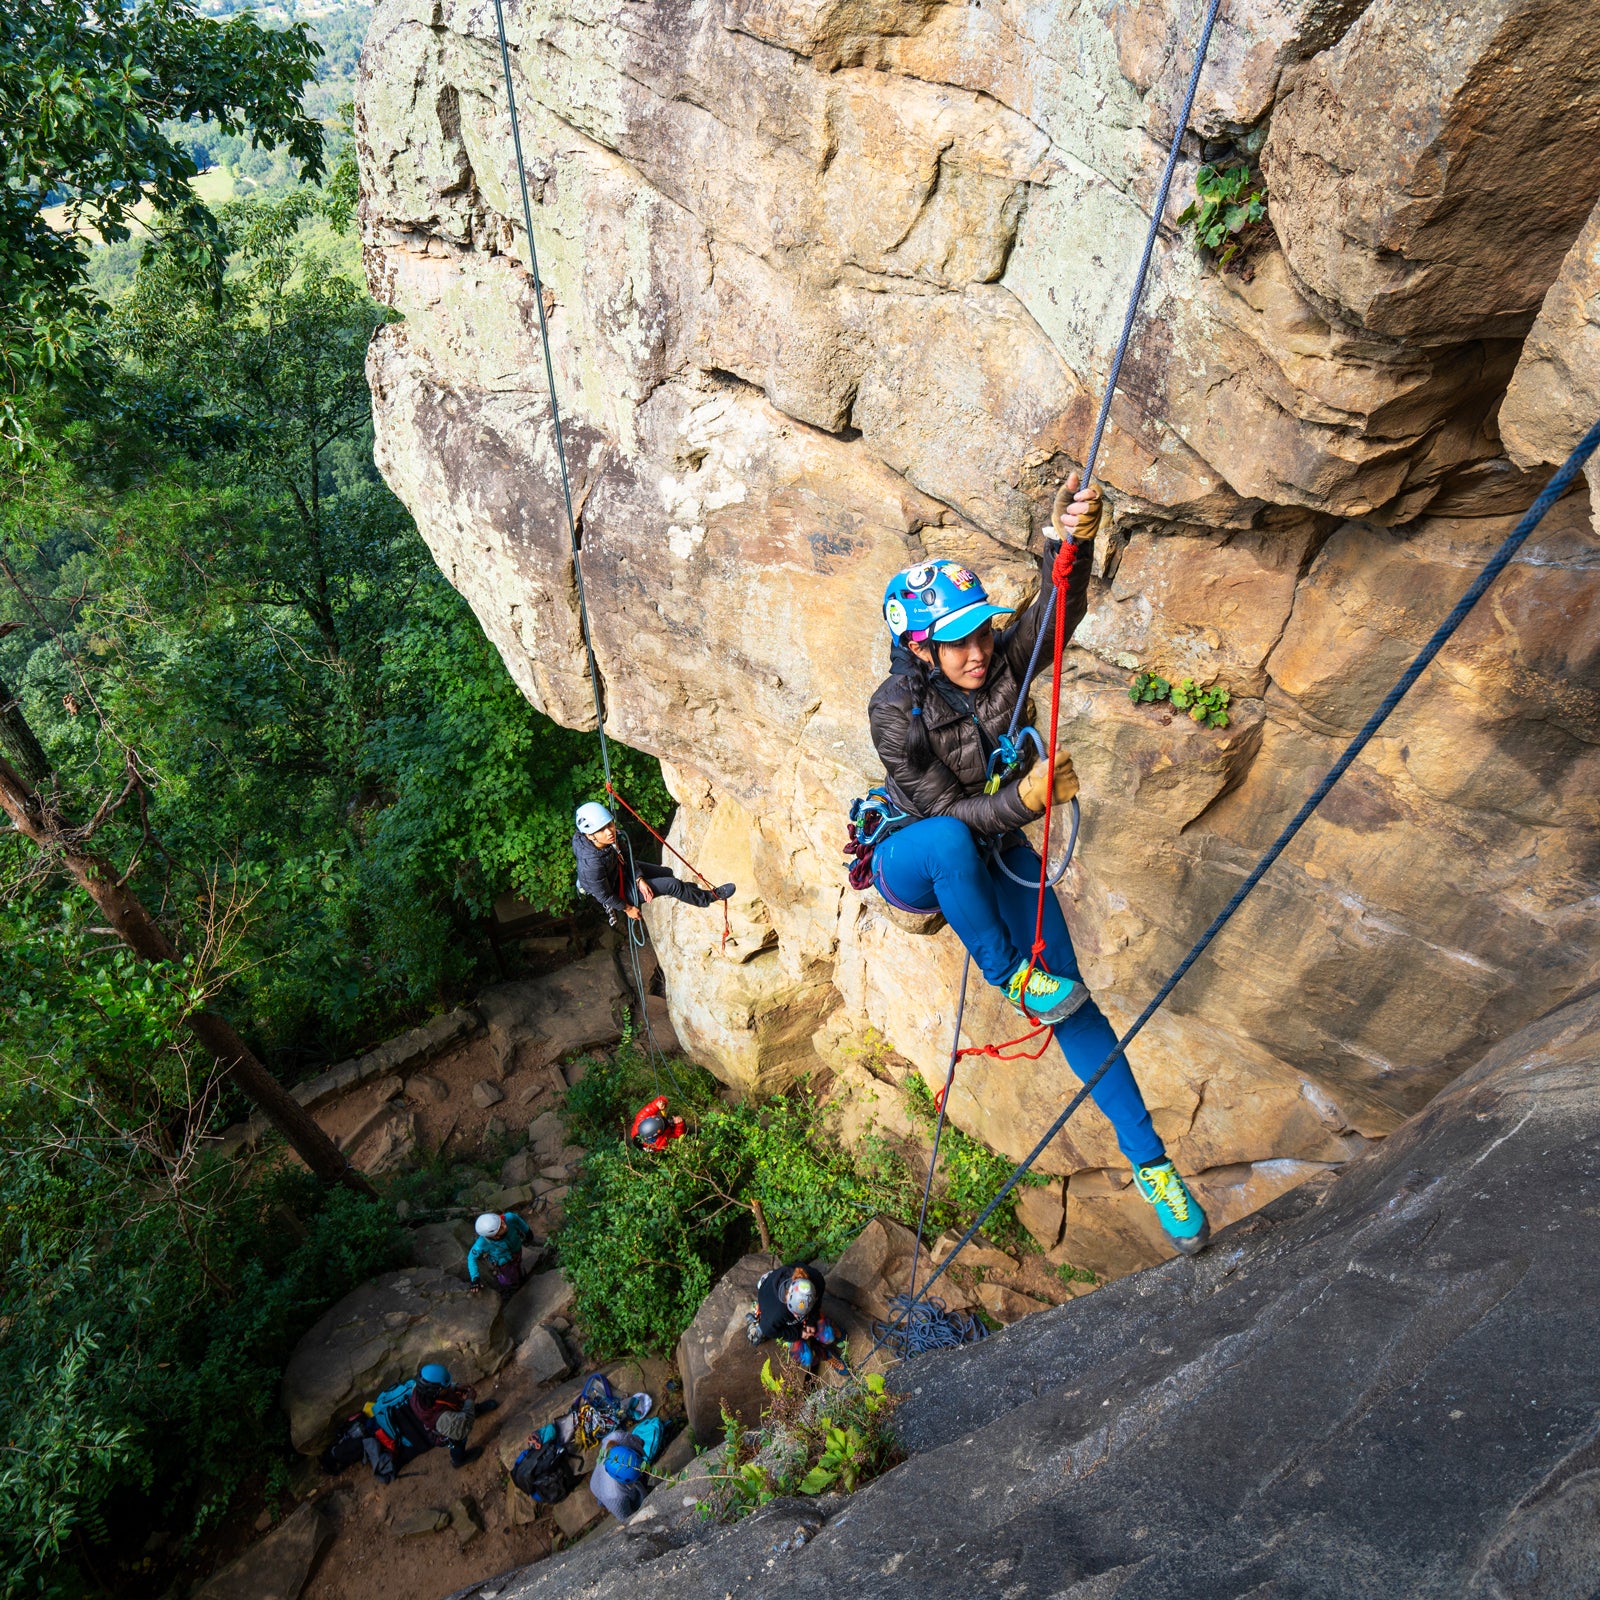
937 721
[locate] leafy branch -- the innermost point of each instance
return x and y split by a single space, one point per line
1229 202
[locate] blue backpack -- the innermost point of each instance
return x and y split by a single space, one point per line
624 1463
387 1403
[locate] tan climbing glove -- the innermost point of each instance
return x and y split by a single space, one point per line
1031 785
1077 512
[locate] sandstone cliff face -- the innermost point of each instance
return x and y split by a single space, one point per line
832 287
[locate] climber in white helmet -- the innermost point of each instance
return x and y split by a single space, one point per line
495 1258
616 880
789 1308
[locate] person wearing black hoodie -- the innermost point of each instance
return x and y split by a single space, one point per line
619 883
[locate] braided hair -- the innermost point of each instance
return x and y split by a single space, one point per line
919 751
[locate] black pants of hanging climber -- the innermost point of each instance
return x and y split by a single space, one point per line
663 882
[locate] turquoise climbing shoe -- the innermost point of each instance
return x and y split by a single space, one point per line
1177 1210
1049 998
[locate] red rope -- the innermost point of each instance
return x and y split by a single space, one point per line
997 1052
726 930
1060 576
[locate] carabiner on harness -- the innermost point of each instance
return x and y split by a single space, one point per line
1007 756
873 817
1005 760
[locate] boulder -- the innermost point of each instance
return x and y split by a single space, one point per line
443 1245
381 1333
519 1169
543 1296
678 1454
877 1266
578 1511
1042 1210
430 1519
1393 220
486 1094
465 1520
424 1086
537 1021
718 1365
542 1356
275 1568
1554 396
1008 1305
547 1135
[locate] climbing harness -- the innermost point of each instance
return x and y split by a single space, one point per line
872 819
1558 485
636 934
915 1328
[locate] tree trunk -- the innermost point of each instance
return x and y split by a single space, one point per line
143 934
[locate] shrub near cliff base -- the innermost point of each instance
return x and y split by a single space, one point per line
812 1440
647 1235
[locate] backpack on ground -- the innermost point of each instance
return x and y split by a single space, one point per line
544 1472
624 1462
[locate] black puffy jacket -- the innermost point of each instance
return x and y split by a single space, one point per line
964 727
602 872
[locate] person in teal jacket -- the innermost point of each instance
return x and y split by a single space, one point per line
496 1255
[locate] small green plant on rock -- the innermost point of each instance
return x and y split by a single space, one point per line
1071 1274
1228 202
1206 705
812 1440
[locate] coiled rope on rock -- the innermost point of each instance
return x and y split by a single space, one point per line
918 1327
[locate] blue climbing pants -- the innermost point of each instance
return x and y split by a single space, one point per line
933 865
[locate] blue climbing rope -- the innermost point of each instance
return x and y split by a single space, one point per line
923 1326
1558 485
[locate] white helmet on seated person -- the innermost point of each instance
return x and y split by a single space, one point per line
800 1295
592 817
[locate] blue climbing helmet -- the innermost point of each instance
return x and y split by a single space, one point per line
432 1372
937 600
624 1463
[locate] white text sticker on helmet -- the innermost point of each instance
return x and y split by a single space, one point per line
919 577
895 615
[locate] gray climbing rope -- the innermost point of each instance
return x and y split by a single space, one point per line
1135 297
550 379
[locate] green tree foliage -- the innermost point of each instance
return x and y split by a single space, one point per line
88 96
233 606
151 1292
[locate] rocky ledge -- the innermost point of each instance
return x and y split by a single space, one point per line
1382 1384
